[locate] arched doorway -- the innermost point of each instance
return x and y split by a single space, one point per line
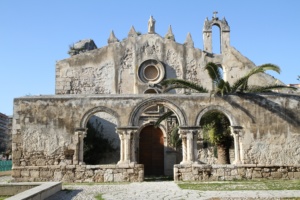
151 150
102 143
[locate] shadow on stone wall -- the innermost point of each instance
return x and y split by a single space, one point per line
284 113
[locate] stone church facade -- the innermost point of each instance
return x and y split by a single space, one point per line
119 85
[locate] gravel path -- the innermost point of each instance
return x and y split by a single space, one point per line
166 190
157 190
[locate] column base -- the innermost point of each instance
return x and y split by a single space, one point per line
126 163
237 162
186 162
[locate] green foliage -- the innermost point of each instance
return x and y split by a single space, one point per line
96 146
170 84
175 140
241 85
99 197
216 129
162 118
4 197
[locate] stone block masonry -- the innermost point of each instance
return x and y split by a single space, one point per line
80 173
197 172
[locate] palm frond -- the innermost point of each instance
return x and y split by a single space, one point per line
172 87
179 83
223 88
241 84
162 118
268 88
213 72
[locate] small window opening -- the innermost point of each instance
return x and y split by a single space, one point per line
216 40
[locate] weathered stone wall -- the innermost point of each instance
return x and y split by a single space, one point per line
80 173
113 69
198 172
44 127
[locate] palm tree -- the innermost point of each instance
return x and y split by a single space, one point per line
215 123
216 131
241 85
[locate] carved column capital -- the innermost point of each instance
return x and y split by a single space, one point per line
189 135
236 129
126 135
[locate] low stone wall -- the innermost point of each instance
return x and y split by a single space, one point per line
197 172
80 173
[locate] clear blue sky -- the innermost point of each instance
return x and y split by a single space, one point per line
35 34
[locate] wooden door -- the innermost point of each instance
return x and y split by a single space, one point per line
151 151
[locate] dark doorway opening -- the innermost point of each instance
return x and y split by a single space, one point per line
151 151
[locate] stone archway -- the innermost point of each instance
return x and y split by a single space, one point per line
140 108
235 129
151 150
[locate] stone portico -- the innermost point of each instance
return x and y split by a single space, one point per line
119 85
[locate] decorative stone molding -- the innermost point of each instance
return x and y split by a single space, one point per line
151 71
140 108
85 118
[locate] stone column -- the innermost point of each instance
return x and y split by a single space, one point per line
80 134
235 132
189 145
184 148
127 144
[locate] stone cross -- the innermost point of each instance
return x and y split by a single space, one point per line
215 14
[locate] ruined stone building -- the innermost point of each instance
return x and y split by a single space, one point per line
118 85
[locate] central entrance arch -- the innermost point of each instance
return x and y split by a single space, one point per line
151 150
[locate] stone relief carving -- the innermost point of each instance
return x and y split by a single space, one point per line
172 61
191 72
35 140
90 79
126 70
150 48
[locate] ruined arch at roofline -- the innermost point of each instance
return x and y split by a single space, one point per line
137 111
233 121
85 118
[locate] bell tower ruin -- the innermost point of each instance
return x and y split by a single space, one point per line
224 33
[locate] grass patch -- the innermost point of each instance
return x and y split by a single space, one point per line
99 197
4 197
242 185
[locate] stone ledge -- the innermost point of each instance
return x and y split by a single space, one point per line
42 191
